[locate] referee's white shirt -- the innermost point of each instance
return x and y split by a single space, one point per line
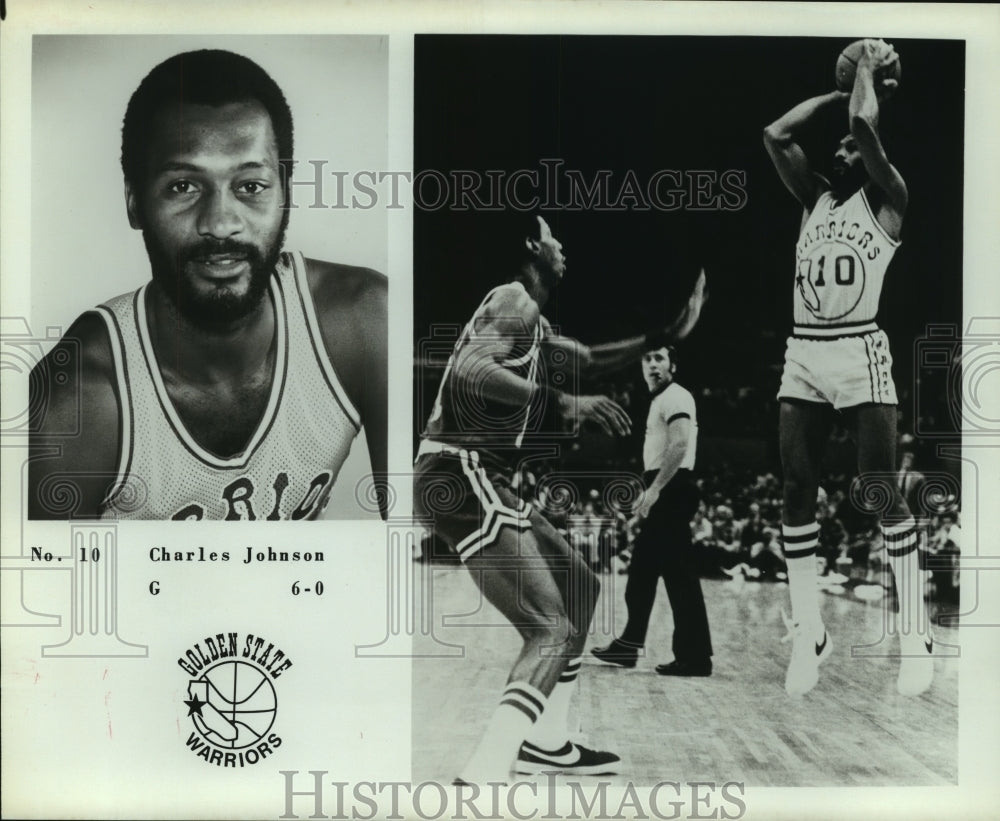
672 403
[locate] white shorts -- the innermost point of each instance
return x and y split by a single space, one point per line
843 371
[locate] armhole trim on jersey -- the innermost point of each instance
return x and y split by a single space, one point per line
537 334
471 324
895 243
127 426
174 420
532 377
676 416
531 355
316 338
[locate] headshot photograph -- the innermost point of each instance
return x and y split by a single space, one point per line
219 302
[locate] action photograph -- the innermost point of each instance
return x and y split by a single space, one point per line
671 302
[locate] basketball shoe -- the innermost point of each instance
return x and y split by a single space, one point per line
916 663
570 758
807 655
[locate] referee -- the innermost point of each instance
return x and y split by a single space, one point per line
663 548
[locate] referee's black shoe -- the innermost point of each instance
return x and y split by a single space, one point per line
617 653
685 668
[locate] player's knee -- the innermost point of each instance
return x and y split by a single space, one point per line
552 631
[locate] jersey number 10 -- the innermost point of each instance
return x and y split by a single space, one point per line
843 270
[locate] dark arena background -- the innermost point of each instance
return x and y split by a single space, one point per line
697 106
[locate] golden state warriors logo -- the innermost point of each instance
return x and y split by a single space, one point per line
232 701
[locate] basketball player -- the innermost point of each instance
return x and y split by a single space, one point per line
493 397
838 357
232 384
664 546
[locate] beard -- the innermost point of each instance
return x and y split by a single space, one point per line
847 179
223 304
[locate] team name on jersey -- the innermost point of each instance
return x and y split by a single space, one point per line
240 497
842 230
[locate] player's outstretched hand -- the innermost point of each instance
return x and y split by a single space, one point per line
606 413
688 318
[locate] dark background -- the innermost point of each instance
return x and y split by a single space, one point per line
682 103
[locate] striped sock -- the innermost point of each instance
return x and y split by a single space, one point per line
799 545
550 731
519 708
901 544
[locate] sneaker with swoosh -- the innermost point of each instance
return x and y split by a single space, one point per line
807 655
570 758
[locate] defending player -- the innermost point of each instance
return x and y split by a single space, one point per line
838 357
232 385
489 410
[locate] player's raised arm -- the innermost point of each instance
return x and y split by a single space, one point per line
864 112
612 356
790 160
74 425
563 353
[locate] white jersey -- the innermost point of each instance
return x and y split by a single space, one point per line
290 463
841 258
670 404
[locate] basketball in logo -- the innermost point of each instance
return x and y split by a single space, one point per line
238 704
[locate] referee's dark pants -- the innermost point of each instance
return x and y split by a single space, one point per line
663 549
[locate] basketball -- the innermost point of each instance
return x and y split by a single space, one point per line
242 694
847 64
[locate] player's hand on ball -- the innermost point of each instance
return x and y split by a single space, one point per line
606 413
883 60
878 53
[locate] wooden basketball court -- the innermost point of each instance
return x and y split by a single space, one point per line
853 729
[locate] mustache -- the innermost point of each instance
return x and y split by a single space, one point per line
209 247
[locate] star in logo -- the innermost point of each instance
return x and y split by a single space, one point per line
195 705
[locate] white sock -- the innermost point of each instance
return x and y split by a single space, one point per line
901 545
799 544
519 708
550 731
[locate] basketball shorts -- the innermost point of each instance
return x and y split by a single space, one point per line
468 503
843 371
